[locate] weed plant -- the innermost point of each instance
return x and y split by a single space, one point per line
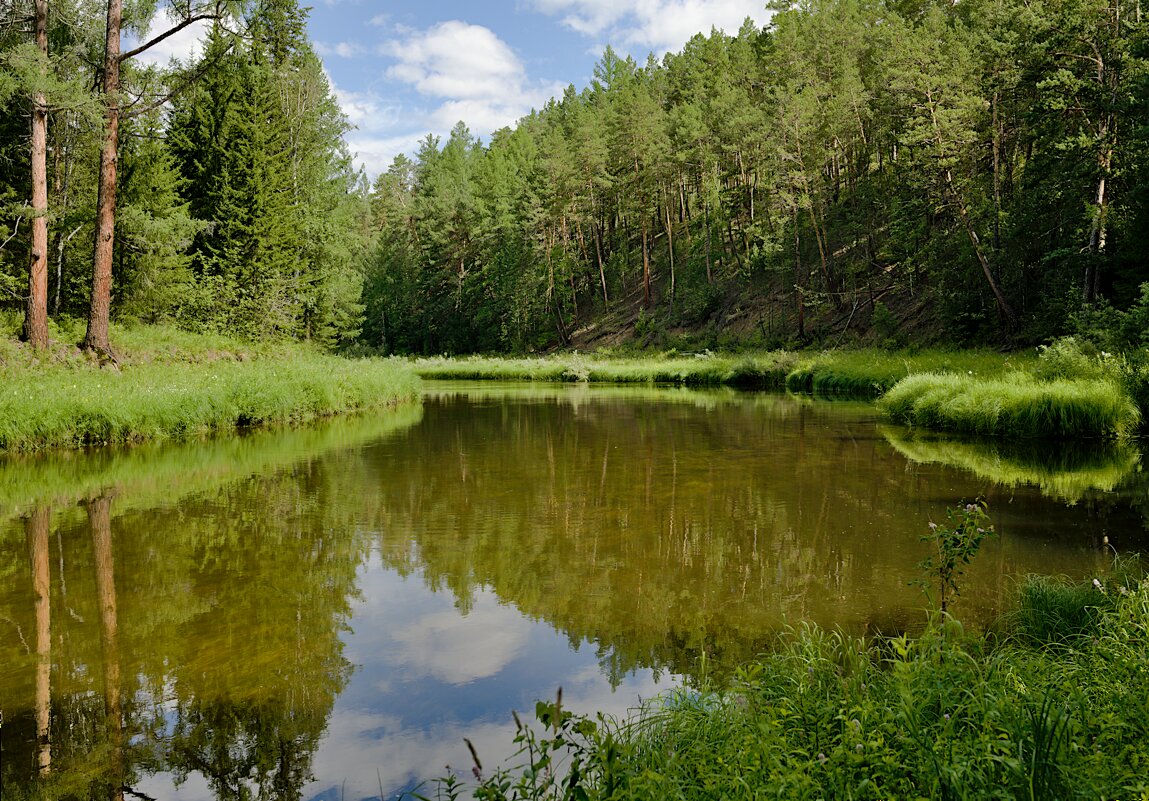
870 373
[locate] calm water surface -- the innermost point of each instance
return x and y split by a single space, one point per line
326 613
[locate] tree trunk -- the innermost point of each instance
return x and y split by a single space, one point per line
706 222
670 248
997 137
1097 236
96 338
799 287
36 314
38 527
1005 311
596 229
645 265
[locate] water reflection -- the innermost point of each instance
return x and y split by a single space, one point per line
1067 472
323 614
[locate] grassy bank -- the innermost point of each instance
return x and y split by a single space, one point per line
761 371
1061 391
174 385
856 373
1053 704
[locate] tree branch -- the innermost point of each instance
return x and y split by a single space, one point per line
215 14
15 231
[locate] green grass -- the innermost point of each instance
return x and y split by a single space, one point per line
1055 706
870 373
1017 405
173 386
164 471
762 371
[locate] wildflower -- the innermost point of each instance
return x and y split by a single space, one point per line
859 748
822 758
946 716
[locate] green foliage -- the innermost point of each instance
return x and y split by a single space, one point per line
280 218
955 544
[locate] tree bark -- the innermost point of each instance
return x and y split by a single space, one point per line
36 313
670 248
645 265
99 312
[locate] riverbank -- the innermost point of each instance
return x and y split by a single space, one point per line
1051 703
1061 391
169 384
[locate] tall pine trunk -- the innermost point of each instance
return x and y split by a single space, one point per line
36 313
96 338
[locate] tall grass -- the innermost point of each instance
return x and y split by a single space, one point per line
181 386
1017 405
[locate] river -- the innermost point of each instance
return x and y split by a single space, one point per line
325 613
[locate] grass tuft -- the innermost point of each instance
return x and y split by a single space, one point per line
1017 406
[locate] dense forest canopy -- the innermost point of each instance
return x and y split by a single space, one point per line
973 171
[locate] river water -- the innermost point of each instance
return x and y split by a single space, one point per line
326 613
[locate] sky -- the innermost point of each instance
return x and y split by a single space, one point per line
401 70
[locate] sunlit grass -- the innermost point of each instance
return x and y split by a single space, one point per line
176 385
870 373
1016 405
766 370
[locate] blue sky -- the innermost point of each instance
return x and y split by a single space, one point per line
402 70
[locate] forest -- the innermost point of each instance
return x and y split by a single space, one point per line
894 172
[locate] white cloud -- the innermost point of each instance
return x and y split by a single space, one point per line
457 649
457 61
375 153
655 25
463 71
341 49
